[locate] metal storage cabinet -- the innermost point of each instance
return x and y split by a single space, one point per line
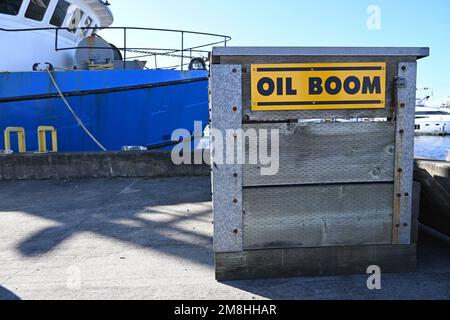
342 198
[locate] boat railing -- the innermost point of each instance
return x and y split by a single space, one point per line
182 51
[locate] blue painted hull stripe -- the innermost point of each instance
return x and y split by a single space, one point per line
102 91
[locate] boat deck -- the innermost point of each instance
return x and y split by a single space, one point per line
152 239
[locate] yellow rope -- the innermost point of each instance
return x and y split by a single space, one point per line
94 67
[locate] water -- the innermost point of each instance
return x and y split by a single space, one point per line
435 148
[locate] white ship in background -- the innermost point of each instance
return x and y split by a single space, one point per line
431 120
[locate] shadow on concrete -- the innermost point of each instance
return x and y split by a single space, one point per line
5 294
430 282
173 216
144 213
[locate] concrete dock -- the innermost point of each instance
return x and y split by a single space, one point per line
152 239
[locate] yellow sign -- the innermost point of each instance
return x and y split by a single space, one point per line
313 86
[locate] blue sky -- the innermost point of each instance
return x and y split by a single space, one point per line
306 23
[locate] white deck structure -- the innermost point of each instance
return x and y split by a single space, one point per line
21 50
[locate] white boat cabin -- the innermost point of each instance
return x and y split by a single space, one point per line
22 49
432 121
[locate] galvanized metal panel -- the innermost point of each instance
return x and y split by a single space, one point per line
328 153
226 103
322 51
307 262
404 157
317 216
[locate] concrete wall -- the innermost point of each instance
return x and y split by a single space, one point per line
94 165
435 194
439 170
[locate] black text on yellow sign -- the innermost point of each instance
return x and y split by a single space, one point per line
313 86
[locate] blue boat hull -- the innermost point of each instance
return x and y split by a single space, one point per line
120 108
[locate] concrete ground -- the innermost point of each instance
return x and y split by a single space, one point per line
152 239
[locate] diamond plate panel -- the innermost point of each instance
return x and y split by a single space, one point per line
328 153
317 216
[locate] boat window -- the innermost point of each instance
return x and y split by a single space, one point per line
76 20
430 113
11 7
87 24
60 13
36 9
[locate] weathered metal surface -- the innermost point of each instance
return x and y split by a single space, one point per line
307 262
317 216
416 52
328 153
226 93
404 155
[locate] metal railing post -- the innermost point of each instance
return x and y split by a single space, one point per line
56 39
125 48
182 51
172 53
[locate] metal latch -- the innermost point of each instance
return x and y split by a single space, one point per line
400 82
